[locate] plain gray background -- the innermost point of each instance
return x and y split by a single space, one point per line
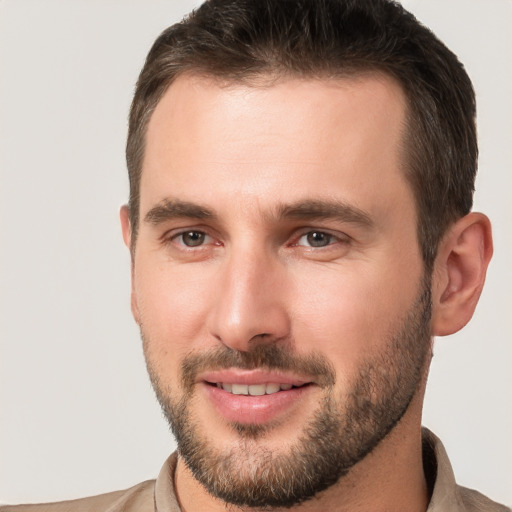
77 415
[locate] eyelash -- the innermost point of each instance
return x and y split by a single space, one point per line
181 234
332 239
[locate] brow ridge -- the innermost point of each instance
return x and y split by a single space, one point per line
169 209
325 209
312 209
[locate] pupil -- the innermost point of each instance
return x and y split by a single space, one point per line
193 238
317 239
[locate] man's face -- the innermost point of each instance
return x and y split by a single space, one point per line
278 281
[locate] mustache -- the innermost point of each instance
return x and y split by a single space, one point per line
267 357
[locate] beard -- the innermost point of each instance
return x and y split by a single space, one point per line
345 428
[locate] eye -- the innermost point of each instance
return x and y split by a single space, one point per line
192 238
316 239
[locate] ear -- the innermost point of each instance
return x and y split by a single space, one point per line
126 228
459 273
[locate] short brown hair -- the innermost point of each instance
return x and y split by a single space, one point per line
243 40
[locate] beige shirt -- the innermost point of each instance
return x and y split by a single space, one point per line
159 495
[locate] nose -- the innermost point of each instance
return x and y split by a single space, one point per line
250 306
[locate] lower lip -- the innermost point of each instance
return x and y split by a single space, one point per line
254 410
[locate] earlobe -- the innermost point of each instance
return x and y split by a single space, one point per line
459 275
126 229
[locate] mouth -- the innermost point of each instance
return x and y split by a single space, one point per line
253 396
268 388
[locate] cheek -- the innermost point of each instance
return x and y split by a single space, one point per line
172 307
348 316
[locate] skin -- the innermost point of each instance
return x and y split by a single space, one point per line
242 152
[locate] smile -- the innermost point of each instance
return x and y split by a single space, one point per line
254 398
254 389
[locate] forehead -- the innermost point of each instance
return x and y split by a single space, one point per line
297 136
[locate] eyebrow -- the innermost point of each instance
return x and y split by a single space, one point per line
313 209
324 210
170 209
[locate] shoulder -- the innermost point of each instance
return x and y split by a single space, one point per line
477 502
139 498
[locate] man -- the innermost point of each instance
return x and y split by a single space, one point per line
299 224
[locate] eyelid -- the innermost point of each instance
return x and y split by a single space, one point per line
170 236
339 237
205 241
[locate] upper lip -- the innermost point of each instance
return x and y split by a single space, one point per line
250 377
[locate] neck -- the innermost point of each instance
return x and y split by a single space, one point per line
389 478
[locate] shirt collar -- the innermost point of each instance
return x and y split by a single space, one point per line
165 492
438 471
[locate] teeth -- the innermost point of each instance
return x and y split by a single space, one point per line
257 389
240 389
272 388
254 389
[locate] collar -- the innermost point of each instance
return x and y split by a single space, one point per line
439 474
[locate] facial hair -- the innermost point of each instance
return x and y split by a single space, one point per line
344 429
